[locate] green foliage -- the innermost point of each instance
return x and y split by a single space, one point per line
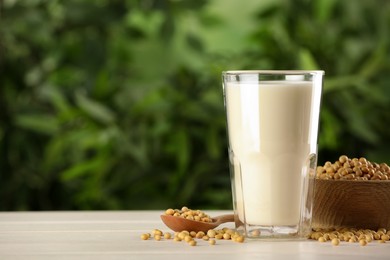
118 104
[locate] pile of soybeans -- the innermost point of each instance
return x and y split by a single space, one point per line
353 169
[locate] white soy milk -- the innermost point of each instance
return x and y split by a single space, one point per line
268 126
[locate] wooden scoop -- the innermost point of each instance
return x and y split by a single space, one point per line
346 203
179 224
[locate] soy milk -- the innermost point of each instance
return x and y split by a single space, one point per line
269 133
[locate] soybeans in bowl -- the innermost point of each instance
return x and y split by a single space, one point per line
352 192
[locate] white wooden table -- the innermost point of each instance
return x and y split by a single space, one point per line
116 235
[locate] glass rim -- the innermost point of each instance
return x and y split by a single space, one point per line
274 72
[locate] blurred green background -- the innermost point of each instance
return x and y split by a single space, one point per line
114 104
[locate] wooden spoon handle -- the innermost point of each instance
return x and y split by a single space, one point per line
224 218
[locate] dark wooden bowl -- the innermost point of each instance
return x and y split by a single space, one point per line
345 203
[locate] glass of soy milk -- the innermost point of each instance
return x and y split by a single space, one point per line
272 125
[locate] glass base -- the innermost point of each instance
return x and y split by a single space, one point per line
279 233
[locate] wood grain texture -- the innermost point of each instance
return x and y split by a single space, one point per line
85 235
344 203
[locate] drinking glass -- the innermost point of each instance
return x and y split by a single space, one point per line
272 128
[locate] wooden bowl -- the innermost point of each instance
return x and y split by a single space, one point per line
357 204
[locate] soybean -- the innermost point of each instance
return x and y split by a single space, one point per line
212 242
192 243
362 242
335 241
145 236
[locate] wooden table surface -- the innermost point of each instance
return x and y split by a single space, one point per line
116 235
